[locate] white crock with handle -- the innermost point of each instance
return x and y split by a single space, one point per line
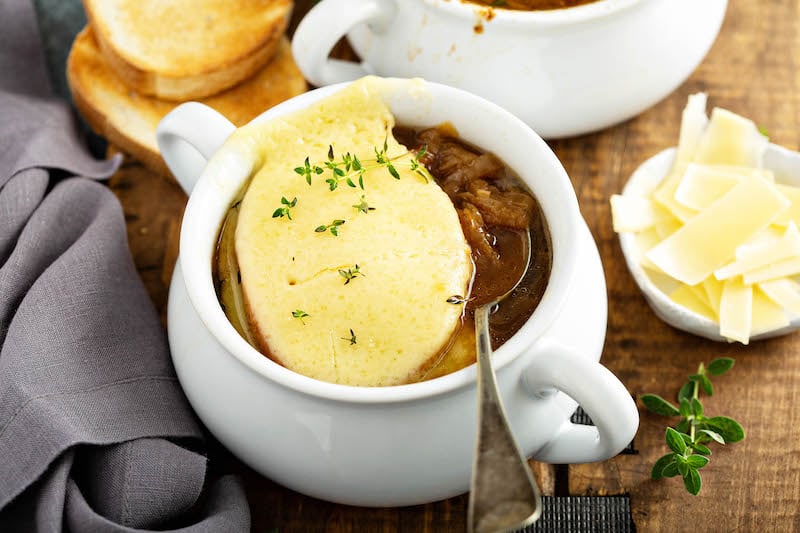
564 71
400 445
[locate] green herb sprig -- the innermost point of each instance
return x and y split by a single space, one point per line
285 209
362 206
350 273
333 227
299 313
349 168
687 440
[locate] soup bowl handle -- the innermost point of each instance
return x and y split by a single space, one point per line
604 398
187 138
324 25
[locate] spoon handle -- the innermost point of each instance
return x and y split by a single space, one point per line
503 494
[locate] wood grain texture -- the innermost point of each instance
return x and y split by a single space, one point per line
749 486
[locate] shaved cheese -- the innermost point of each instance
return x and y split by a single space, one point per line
767 315
783 292
740 171
793 212
718 236
665 196
713 288
644 242
709 240
693 123
787 267
686 297
787 247
735 311
632 213
760 241
700 294
731 139
663 283
667 226
703 185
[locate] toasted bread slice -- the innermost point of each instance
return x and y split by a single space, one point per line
367 303
187 49
128 119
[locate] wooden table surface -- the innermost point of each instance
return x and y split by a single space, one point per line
753 69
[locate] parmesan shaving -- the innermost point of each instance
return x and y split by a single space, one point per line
767 315
632 213
784 292
781 269
792 214
787 247
735 311
686 297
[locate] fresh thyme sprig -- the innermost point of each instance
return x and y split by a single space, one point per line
333 227
687 441
350 273
284 210
350 169
363 206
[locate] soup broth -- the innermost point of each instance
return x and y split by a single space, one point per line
496 212
532 5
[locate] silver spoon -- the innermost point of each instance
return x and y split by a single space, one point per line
503 494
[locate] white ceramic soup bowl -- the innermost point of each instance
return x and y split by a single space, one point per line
564 72
382 446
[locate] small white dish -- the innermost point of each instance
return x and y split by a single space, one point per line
786 166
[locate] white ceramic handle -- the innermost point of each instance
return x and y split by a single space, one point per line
321 29
604 398
187 138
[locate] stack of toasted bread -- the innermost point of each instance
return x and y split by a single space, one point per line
138 59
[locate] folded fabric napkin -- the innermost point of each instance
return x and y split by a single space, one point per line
95 432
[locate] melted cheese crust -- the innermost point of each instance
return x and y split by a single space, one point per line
410 250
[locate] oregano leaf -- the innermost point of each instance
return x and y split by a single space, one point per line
675 441
696 461
692 481
658 467
728 428
659 405
719 366
686 391
713 435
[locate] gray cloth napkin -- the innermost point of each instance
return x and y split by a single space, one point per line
95 432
